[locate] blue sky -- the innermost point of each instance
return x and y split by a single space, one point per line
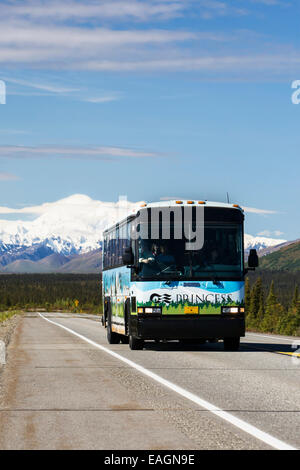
151 99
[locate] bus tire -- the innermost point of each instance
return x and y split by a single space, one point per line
106 309
135 343
112 337
232 344
126 315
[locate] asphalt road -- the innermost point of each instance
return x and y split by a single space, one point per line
59 391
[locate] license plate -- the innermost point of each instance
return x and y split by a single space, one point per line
191 309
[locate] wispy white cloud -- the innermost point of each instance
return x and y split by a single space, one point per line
40 86
272 2
211 8
102 99
54 89
38 38
76 35
231 63
91 10
66 47
270 233
254 210
96 153
122 10
129 51
8 177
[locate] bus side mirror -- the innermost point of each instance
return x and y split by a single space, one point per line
253 261
128 258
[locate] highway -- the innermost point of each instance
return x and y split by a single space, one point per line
64 387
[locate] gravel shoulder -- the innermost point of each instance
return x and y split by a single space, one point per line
7 328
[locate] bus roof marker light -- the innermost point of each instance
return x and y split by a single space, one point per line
201 202
178 202
190 202
236 205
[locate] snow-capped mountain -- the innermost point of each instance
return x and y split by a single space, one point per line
259 243
69 227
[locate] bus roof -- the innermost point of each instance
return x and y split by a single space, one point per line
174 203
190 202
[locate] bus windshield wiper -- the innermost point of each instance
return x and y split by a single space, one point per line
216 280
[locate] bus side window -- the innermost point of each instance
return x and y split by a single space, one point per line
122 241
120 245
128 235
109 250
104 254
116 248
113 248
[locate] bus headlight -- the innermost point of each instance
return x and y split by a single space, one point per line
234 310
150 310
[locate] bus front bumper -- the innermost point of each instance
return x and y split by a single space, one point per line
181 327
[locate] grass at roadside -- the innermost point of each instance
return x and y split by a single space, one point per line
10 313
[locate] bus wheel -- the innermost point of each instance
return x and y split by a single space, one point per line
112 338
135 343
232 344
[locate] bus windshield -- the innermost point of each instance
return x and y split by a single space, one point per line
220 257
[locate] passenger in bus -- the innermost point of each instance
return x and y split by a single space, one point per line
148 256
165 257
159 254
208 255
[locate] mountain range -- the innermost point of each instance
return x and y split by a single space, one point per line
65 236
287 257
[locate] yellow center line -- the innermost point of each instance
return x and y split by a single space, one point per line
288 353
294 354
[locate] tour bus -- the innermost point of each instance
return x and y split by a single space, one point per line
158 285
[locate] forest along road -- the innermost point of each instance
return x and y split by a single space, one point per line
62 391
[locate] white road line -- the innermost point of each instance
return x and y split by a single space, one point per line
239 423
272 337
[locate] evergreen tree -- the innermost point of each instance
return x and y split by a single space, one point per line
247 294
291 323
272 299
295 301
273 312
261 310
254 305
8 302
